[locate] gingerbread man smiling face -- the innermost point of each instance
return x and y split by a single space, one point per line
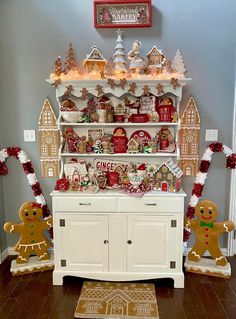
29 212
206 211
207 232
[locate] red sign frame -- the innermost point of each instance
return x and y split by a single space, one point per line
122 9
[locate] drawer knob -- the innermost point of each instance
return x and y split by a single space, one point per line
150 204
129 242
106 242
84 204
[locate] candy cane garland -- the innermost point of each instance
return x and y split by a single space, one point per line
202 176
29 171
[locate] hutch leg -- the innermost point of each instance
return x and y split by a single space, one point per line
57 279
179 281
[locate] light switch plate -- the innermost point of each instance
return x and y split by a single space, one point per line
29 135
211 135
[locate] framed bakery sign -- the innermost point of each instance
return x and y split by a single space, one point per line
122 14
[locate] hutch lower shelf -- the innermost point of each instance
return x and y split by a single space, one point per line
115 237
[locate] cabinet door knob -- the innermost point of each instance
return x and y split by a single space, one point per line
150 204
129 242
106 242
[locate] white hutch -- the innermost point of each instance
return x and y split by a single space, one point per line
110 235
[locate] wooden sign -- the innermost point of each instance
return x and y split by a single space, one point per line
122 14
108 165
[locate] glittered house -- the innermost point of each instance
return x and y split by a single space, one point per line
155 59
95 61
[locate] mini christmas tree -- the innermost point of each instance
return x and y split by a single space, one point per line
119 60
178 63
58 66
70 64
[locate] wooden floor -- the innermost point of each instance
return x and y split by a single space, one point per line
34 297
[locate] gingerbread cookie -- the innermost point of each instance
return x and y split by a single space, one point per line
31 230
207 232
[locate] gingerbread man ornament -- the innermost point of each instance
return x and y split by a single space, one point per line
32 232
207 232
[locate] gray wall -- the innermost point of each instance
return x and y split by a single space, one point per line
34 32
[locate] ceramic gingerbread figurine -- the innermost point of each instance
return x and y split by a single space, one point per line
31 231
207 232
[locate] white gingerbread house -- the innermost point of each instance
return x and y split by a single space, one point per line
189 139
49 141
75 172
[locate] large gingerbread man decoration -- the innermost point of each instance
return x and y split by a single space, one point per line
207 232
31 230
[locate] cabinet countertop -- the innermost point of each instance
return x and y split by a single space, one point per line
116 193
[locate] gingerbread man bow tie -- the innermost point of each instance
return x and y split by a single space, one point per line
206 224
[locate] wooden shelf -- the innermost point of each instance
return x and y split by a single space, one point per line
149 124
121 155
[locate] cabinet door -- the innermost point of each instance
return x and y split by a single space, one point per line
86 242
148 243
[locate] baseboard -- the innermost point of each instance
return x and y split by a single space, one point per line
4 255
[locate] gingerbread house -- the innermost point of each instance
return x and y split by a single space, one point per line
75 172
120 109
95 61
167 177
132 146
155 59
49 141
189 139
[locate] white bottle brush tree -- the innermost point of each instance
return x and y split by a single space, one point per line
119 60
178 63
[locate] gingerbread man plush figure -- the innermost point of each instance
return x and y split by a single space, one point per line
207 232
31 230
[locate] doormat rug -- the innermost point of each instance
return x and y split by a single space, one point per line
109 300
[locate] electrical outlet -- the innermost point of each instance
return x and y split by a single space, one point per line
29 135
211 135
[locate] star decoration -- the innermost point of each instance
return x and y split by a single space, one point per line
132 87
69 90
146 90
160 88
112 83
119 32
174 82
123 83
56 83
99 89
84 92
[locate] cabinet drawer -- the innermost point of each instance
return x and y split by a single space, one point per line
84 204
148 204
